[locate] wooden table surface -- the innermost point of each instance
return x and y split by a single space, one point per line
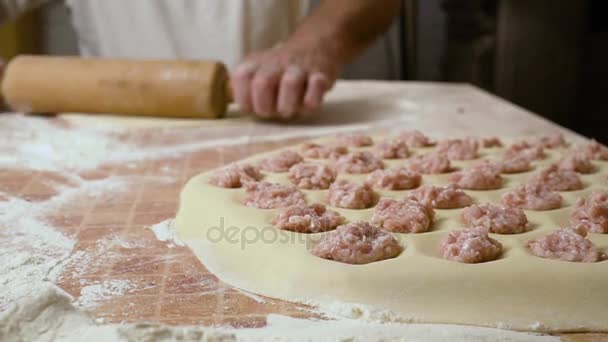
169 285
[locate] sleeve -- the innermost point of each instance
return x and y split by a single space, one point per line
11 9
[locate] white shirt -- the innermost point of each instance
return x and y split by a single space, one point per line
224 30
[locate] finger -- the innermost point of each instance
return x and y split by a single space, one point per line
318 84
291 92
264 91
241 85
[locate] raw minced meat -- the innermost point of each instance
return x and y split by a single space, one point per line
566 244
391 149
487 142
532 196
307 219
555 140
515 164
403 216
593 150
557 179
281 162
358 243
235 176
576 162
484 176
355 140
443 197
327 151
265 195
591 213
431 163
350 195
415 138
358 162
525 150
471 246
497 219
311 176
400 178
458 149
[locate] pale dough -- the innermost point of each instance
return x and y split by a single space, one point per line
518 291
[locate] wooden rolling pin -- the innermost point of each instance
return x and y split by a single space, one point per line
194 89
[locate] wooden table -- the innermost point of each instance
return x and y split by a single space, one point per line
169 285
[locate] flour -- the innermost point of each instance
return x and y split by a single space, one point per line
33 252
40 144
92 294
164 232
50 316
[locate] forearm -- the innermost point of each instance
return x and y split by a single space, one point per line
343 28
11 9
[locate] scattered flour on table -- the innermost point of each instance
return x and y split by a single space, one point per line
164 232
41 144
32 251
51 316
92 294
29 250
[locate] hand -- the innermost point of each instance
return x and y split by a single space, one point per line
284 82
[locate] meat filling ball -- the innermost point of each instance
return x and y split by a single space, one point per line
480 177
311 176
350 195
566 244
281 162
458 149
358 243
593 150
577 163
470 246
532 196
524 150
265 195
555 140
403 216
358 162
496 219
235 176
394 179
318 151
557 179
391 149
355 140
487 142
445 197
432 163
415 138
307 219
515 164
591 214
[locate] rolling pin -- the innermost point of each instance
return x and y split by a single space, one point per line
41 84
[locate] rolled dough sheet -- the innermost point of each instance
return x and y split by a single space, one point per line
519 291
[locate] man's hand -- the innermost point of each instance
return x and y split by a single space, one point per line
284 82
293 77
